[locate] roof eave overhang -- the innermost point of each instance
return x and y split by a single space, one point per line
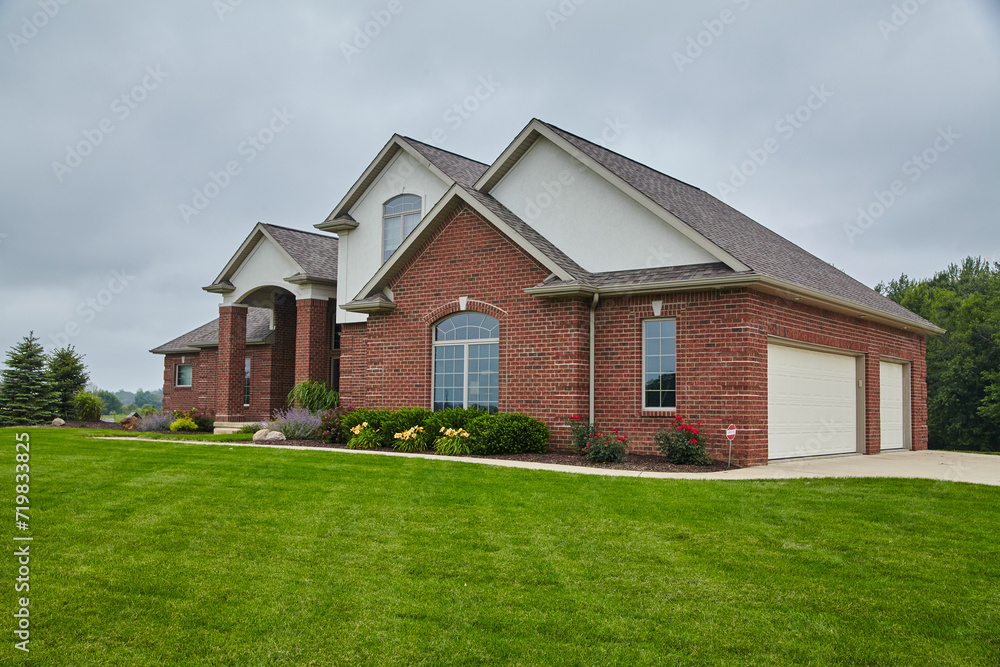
760 283
339 226
220 288
305 279
369 307
179 350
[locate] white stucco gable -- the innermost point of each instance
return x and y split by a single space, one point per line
261 265
592 221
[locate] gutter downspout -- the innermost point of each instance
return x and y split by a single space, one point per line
593 333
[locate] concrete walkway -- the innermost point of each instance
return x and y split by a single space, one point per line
945 466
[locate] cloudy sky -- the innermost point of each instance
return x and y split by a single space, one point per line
116 115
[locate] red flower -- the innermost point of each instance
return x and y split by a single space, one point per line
695 431
575 417
621 439
693 442
615 430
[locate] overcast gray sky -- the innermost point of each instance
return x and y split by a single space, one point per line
116 113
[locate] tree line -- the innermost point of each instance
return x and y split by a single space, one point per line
36 387
963 365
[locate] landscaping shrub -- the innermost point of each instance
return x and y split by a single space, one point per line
452 442
295 423
581 432
411 440
453 418
401 421
157 421
313 396
605 446
507 434
332 428
365 436
87 407
373 417
184 424
681 444
250 428
205 421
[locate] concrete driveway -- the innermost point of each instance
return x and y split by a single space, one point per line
946 466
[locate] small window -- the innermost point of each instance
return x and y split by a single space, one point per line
183 375
400 216
467 362
659 364
246 382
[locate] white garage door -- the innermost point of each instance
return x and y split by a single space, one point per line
893 412
811 403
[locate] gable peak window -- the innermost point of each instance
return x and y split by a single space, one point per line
400 215
467 362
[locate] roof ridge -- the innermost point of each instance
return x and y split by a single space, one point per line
292 229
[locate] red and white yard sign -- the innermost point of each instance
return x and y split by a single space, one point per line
731 432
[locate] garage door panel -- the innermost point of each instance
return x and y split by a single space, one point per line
893 406
812 403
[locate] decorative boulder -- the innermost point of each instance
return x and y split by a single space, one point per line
58 422
274 436
261 434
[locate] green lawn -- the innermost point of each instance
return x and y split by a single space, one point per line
165 553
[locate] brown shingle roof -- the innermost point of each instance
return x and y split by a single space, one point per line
315 253
460 169
764 251
207 335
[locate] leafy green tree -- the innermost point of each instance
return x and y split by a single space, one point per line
110 402
963 366
69 377
148 398
27 397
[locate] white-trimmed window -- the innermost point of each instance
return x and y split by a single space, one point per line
399 217
467 362
659 364
183 375
246 382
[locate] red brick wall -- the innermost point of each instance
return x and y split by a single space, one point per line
201 393
312 348
230 366
543 344
722 365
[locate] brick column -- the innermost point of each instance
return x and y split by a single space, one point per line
230 367
312 340
282 352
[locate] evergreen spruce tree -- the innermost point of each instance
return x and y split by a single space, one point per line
69 376
27 397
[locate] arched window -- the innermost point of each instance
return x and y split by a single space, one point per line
467 362
399 217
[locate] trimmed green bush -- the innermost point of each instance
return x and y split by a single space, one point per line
87 407
507 434
250 428
183 424
451 418
373 416
402 421
605 447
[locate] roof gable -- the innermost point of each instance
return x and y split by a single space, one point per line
449 167
258 331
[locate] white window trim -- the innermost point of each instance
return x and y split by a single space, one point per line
247 378
465 364
642 379
420 212
177 375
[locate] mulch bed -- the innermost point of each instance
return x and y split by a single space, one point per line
637 462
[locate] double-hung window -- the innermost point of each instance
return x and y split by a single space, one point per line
659 364
400 216
467 362
183 375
